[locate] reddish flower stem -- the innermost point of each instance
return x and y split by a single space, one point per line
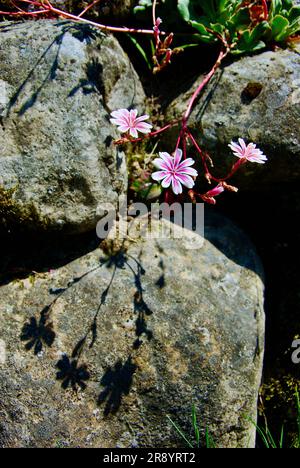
91 5
48 8
235 167
154 12
206 80
148 135
24 13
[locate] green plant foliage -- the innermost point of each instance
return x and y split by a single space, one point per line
239 23
284 20
167 10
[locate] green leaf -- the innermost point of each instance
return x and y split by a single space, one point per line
223 5
218 28
250 41
293 29
276 8
200 28
259 30
141 51
204 35
279 25
183 8
294 14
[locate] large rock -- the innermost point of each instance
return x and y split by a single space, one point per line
256 98
135 334
120 9
58 83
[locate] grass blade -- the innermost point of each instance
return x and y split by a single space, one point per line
180 432
141 51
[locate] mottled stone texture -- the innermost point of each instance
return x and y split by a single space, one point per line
256 98
120 9
58 83
153 329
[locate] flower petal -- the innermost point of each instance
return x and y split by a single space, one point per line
142 117
133 114
133 132
177 158
159 175
176 186
257 160
242 144
186 163
143 127
188 170
186 180
123 128
237 150
120 113
216 191
161 164
168 160
167 181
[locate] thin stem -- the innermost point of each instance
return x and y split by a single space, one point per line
181 134
235 167
76 18
148 135
24 13
206 80
91 5
154 12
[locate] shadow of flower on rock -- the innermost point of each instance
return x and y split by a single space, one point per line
161 282
141 328
71 374
117 383
93 83
82 32
38 333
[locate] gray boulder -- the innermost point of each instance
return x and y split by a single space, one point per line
100 351
256 98
120 9
58 83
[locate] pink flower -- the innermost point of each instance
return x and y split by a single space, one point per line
208 197
249 152
216 191
127 121
173 171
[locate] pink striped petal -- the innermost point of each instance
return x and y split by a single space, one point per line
143 117
186 163
159 175
257 160
123 128
167 181
188 170
133 114
216 191
176 186
160 164
177 158
120 113
186 180
133 132
242 144
168 160
143 127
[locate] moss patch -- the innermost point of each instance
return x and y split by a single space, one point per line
15 215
